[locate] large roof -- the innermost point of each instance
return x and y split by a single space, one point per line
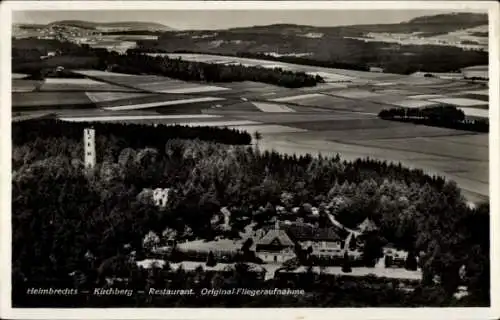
367 225
273 234
305 233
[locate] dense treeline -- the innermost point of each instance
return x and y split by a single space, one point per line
200 71
262 56
306 61
96 215
123 135
439 116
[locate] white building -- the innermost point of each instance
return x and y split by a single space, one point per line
89 148
275 247
376 69
160 196
476 72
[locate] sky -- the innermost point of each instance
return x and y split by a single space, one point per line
222 19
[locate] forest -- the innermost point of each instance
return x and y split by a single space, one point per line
439 116
211 72
27 60
262 56
91 220
332 49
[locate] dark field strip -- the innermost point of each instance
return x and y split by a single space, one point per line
243 106
481 97
475 139
429 147
344 124
23 83
143 99
355 105
191 108
101 113
292 117
84 88
68 106
394 132
41 99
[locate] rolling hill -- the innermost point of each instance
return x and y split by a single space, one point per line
107 26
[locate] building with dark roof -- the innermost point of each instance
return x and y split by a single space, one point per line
275 246
279 242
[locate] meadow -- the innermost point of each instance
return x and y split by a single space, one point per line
53 99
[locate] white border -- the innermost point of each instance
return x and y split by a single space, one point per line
218 314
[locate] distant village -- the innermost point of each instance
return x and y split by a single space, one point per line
93 38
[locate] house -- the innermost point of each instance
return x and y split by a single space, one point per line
367 226
376 69
278 244
221 219
275 246
394 258
325 242
160 196
151 263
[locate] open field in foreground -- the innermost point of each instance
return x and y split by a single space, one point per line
457 160
327 119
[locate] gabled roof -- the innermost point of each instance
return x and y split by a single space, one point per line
367 225
305 233
273 234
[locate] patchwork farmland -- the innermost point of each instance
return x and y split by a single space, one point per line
339 116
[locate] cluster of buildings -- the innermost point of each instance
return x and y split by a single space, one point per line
466 39
277 244
472 72
55 32
92 37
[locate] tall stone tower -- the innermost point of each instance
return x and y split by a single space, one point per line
89 148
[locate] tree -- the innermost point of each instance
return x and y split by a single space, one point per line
372 248
247 245
346 264
388 261
150 241
169 234
211 262
257 136
411 261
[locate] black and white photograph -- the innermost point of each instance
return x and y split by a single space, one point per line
245 157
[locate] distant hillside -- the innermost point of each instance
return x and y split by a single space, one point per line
338 45
437 24
454 18
127 25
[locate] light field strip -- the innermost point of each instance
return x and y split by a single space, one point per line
139 117
298 97
97 73
484 92
163 103
222 123
462 102
271 107
475 112
77 81
194 89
